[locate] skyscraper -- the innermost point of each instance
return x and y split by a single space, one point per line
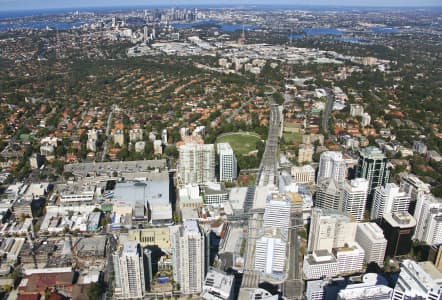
330 229
372 240
227 162
328 194
189 257
388 199
196 163
354 197
129 271
373 165
428 215
398 229
277 211
332 165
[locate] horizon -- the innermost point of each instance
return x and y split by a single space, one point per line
21 6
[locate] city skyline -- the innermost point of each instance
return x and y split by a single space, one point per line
25 5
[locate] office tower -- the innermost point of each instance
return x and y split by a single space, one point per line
227 162
372 287
129 271
330 229
328 194
304 174
305 153
270 254
418 280
350 258
196 164
354 197
218 286
331 164
388 199
145 34
119 137
189 257
413 186
164 137
277 211
398 229
373 165
371 238
319 264
428 215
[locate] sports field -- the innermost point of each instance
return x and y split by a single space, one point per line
241 142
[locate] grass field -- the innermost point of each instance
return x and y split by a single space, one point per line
241 143
292 138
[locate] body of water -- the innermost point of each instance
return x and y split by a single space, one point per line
41 25
384 29
322 31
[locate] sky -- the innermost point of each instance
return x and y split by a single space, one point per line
6 5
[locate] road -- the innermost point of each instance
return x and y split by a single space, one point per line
327 110
292 288
268 174
236 111
108 128
268 168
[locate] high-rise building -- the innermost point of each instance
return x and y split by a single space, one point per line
350 258
373 165
413 186
319 264
304 174
196 163
373 287
388 199
354 197
356 110
398 230
366 119
305 153
331 164
330 229
189 257
418 281
371 238
428 215
227 162
328 194
270 254
217 286
129 271
277 211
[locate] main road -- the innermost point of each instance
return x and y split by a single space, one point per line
267 175
327 110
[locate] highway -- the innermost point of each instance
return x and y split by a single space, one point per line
108 128
292 288
267 174
327 110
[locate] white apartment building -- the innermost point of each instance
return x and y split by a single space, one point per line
217 286
228 169
366 119
277 211
428 215
319 264
129 271
189 257
412 185
270 255
369 289
328 193
389 199
371 238
350 258
304 174
356 110
418 281
330 229
332 165
196 163
135 135
354 197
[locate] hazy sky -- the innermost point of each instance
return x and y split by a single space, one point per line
43 4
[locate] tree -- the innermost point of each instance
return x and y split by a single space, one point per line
95 290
